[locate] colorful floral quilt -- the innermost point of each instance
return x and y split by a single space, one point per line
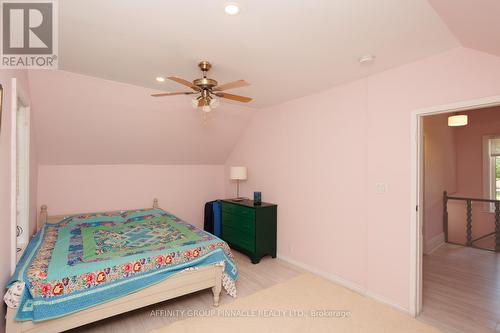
87 260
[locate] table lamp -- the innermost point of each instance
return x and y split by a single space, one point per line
238 173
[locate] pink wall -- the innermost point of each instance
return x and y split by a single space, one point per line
439 171
180 189
301 159
5 175
469 146
320 158
106 122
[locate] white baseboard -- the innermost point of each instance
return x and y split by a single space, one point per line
345 283
433 243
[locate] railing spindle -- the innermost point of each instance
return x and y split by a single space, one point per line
497 226
469 222
445 215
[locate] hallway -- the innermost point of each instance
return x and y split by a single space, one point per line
461 289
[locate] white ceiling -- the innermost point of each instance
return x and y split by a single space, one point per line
285 48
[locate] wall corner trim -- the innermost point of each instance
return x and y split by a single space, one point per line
433 243
357 288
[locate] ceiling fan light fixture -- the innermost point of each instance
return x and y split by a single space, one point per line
207 91
214 103
194 103
231 8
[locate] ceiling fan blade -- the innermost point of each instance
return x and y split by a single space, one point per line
234 97
232 85
173 93
184 82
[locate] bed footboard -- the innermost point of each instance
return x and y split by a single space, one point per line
180 284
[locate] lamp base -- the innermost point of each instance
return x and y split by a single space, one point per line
238 199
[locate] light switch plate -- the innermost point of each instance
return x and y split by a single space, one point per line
381 188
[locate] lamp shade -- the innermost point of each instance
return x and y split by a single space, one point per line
458 120
238 173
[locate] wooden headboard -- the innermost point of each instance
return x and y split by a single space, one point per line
45 218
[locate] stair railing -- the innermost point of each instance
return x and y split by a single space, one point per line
469 240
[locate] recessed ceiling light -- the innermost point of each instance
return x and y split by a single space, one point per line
160 79
366 59
231 8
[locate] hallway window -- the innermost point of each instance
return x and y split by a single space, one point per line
497 177
492 167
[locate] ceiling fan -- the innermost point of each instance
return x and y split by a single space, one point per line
207 89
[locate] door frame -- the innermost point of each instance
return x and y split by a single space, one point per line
18 98
416 179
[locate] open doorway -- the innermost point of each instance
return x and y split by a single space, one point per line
457 224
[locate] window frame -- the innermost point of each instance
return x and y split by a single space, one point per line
489 170
493 176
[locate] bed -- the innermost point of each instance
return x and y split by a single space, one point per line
82 268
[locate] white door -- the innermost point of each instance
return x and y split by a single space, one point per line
22 175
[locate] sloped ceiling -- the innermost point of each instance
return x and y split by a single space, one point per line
476 23
85 120
285 48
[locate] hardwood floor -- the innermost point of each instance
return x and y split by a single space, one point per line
461 289
252 278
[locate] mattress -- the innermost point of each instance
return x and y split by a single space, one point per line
86 260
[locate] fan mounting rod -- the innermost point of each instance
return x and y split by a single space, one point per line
205 66
205 82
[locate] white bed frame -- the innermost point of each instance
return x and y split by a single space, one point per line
179 284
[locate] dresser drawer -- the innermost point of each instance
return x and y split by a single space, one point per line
238 210
242 223
237 237
249 228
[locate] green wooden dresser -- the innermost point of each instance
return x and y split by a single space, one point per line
250 229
